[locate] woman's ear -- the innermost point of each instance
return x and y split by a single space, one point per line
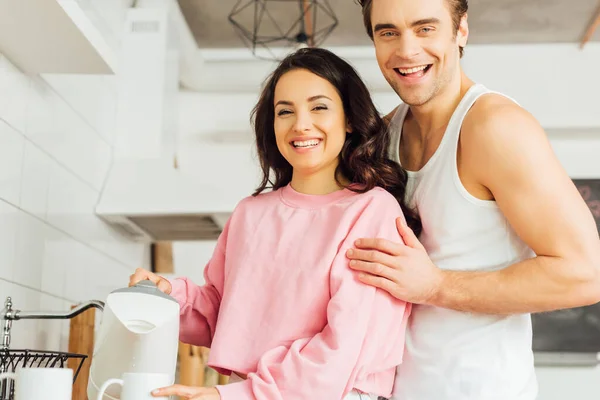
348 127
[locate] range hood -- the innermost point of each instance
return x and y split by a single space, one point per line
146 195
150 201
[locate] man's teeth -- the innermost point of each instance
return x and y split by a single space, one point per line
306 143
406 71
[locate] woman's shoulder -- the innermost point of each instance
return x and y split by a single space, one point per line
259 200
249 206
375 214
378 196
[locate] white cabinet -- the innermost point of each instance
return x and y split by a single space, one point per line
54 36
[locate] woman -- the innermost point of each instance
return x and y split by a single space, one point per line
281 310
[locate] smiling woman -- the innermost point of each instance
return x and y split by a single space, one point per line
310 125
306 123
281 310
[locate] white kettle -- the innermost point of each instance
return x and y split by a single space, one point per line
139 333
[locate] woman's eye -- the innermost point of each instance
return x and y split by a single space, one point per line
319 108
283 112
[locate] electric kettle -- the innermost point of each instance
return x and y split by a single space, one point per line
139 333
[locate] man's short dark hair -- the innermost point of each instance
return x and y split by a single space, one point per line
458 8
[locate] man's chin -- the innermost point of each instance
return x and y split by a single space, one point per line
413 98
415 102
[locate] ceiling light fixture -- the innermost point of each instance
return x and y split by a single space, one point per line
269 27
594 24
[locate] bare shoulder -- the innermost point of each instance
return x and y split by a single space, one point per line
388 118
496 120
497 129
506 150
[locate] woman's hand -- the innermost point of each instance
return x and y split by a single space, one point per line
141 274
188 392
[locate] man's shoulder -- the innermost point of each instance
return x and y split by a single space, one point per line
388 117
494 118
499 135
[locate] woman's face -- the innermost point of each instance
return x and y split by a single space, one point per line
309 122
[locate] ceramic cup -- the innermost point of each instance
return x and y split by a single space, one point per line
137 385
41 383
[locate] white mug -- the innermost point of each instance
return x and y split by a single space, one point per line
41 383
137 385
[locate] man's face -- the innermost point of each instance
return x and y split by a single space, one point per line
416 47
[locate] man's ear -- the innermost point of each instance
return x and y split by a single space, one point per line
463 31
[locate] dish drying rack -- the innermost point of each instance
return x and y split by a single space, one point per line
13 359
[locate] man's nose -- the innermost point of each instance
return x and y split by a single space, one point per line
408 47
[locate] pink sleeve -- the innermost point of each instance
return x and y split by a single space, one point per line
200 304
327 365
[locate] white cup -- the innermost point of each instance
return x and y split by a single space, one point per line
137 385
41 383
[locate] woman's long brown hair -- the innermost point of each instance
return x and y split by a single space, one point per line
364 157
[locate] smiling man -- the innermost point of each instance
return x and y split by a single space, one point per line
505 231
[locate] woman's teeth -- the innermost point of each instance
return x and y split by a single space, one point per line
306 143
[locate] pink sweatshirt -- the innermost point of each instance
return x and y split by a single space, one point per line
281 305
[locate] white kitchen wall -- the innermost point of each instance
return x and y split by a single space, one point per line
56 145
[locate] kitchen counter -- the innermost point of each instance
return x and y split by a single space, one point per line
566 359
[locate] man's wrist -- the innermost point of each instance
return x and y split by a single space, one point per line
458 290
440 288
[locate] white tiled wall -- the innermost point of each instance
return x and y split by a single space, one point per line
56 141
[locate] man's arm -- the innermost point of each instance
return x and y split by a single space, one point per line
511 157
505 154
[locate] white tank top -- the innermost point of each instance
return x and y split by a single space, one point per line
453 355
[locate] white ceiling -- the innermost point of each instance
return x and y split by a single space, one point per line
490 21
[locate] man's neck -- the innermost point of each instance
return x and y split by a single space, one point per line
433 116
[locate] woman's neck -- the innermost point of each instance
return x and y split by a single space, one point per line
316 183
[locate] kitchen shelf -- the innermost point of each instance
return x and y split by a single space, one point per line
53 36
566 359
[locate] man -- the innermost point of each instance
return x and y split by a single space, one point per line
505 232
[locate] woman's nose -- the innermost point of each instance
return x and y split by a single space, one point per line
303 122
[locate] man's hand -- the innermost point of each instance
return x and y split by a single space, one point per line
403 270
188 392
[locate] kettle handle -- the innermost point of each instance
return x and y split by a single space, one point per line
146 287
146 283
